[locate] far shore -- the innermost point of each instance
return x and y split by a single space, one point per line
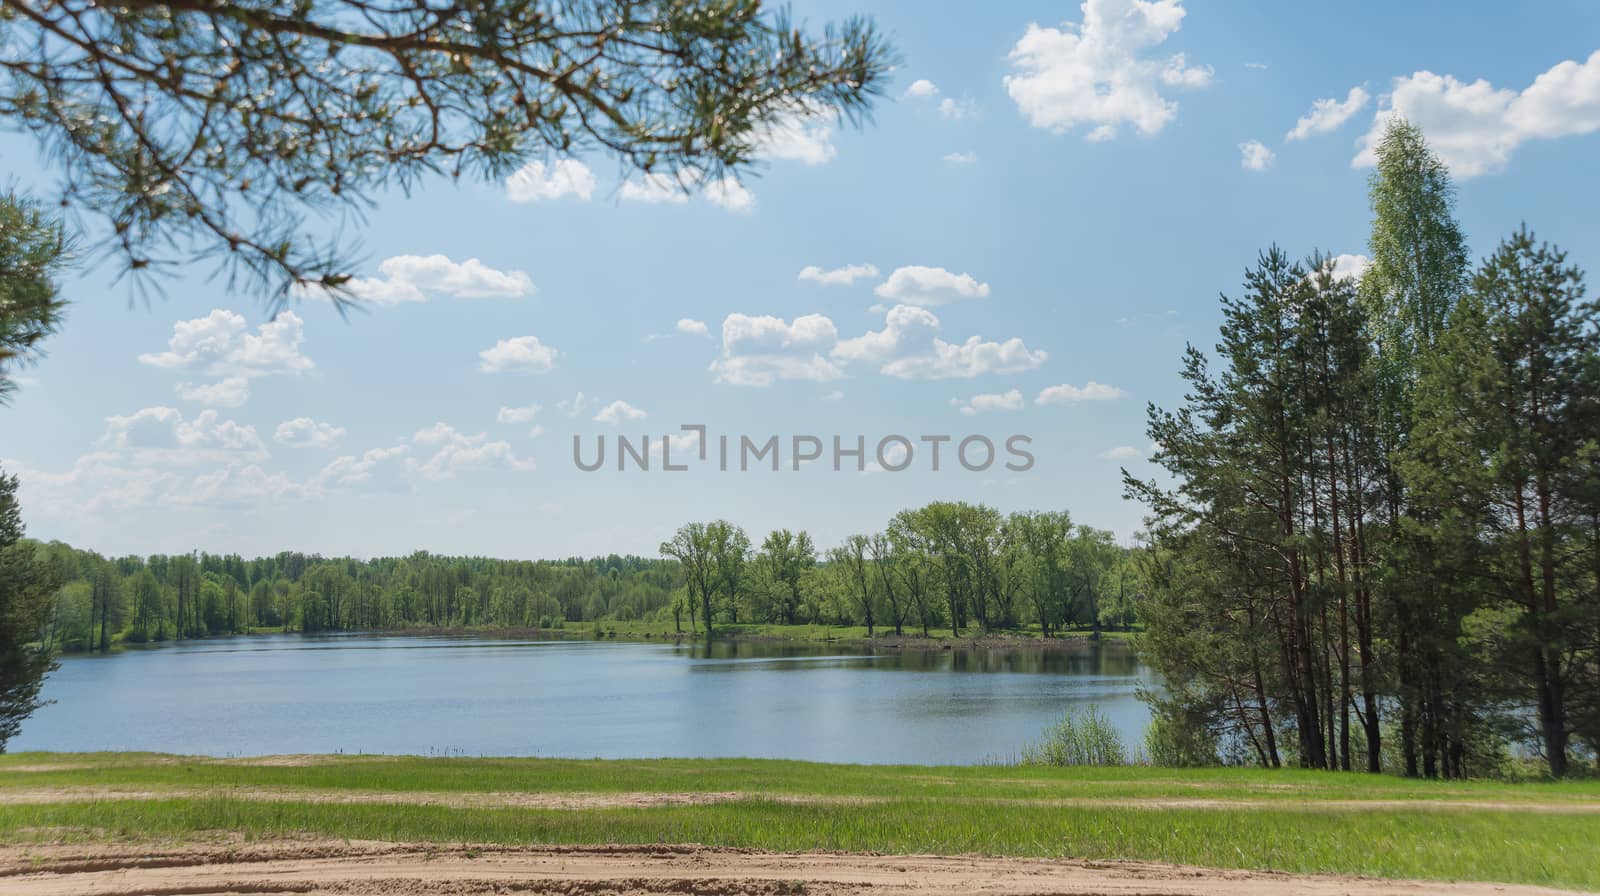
852 637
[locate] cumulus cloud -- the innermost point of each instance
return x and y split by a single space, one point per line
692 327
411 278
1102 73
517 415
1122 452
756 350
845 276
523 354
450 452
919 285
961 158
1070 394
655 188
805 137
304 432
1255 156
228 392
725 192
1475 127
352 469
1328 114
536 181
728 194
922 89
992 401
221 344
619 412
953 109
908 347
573 406
161 436
1347 266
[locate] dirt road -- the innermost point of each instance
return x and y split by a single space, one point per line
363 868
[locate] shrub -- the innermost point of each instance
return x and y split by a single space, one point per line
1086 738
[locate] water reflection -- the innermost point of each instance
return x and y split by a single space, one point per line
473 696
1106 658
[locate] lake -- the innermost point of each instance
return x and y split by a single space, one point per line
270 694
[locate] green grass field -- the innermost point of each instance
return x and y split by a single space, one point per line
1541 833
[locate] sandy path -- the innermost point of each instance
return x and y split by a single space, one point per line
373 868
580 800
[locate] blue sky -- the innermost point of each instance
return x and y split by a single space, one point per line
1081 233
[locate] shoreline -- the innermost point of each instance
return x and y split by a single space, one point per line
801 635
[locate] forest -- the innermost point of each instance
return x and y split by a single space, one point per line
955 566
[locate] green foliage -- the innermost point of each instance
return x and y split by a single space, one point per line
224 125
26 585
33 249
1084 737
1379 542
1171 742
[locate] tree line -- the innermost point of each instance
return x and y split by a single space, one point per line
1377 543
954 566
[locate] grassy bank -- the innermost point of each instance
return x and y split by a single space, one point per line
1545 833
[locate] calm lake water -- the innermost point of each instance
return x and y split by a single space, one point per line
462 696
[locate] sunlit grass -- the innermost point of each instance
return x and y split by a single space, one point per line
1286 820
1497 846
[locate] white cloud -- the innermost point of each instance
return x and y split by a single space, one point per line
992 401
1098 73
350 469
454 452
161 436
801 137
1347 266
835 395
844 276
1328 114
573 406
958 110
1122 452
1255 156
1256 66
517 415
524 354
229 392
655 188
410 278
728 194
304 432
1475 127
908 347
918 285
922 89
618 412
693 327
756 350
961 158
894 454
220 344
535 181
725 192
1069 394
